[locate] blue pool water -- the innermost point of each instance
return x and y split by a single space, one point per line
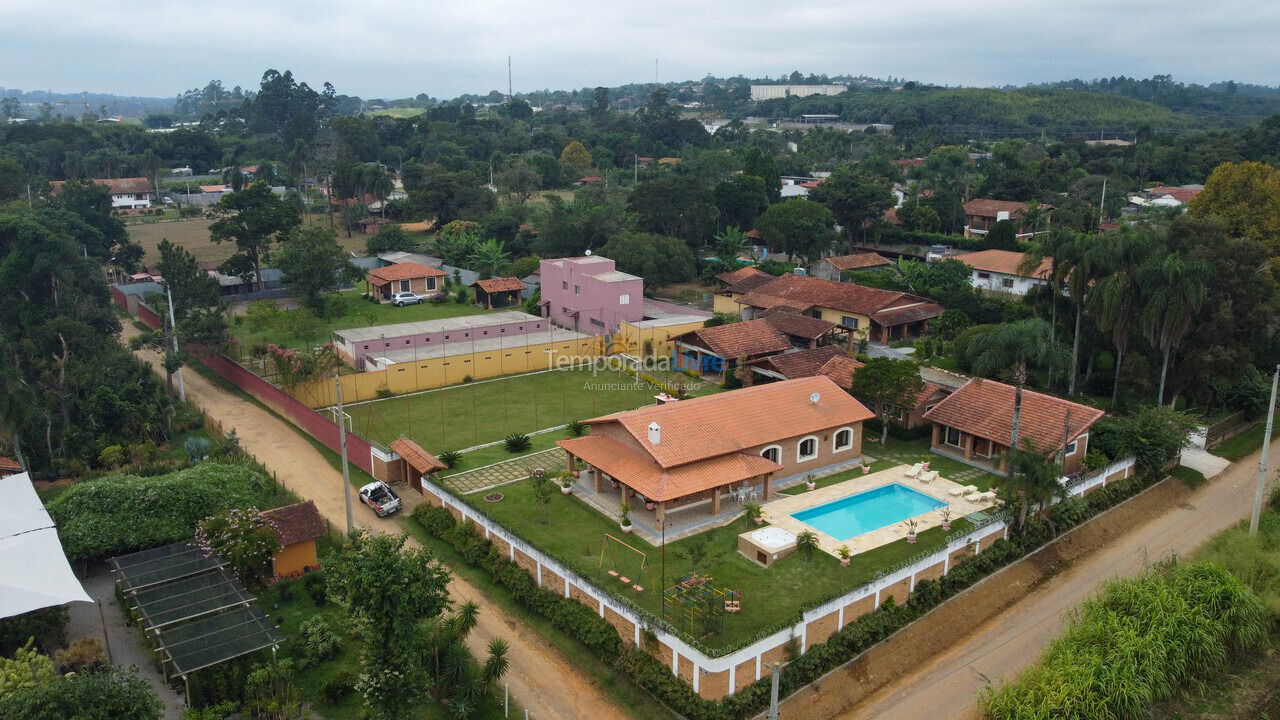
871 510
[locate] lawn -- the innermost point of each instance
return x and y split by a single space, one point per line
461 416
575 533
1239 446
193 235
302 328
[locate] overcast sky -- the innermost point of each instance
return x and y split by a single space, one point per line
399 48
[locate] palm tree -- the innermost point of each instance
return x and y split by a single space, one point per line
1008 350
1054 249
1083 261
1115 299
729 245
1175 289
1033 479
381 188
489 257
453 679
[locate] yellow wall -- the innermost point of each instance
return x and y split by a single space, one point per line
836 316
726 303
632 338
442 371
290 561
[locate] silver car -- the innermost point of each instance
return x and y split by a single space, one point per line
401 299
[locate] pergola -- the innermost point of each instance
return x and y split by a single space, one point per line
193 607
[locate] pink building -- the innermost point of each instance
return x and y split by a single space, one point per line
356 344
589 294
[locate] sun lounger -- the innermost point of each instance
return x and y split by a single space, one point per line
928 476
970 490
914 470
956 491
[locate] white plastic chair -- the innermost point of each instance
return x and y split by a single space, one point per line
928 476
914 470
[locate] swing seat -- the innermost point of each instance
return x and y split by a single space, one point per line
613 573
732 606
638 588
625 580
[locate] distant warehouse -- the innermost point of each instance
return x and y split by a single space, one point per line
774 92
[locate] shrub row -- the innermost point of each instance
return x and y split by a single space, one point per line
580 622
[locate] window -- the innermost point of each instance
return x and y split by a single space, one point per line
597 322
843 440
849 322
984 276
404 286
772 453
952 436
1006 282
564 284
816 313
431 283
807 449
1071 448
624 299
577 289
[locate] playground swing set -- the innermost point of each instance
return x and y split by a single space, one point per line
609 549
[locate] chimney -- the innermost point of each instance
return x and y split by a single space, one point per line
655 434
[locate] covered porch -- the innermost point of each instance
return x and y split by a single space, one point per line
970 449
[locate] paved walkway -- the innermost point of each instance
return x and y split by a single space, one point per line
541 678
508 471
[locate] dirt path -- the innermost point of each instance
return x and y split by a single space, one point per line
542 679
946 686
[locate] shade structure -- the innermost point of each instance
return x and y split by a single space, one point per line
34 572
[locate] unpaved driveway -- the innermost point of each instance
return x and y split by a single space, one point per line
542 679
945 687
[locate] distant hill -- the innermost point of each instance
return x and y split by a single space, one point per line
1234 104
75 105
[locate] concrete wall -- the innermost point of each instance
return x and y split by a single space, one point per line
630 338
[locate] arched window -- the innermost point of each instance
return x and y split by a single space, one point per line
772 453
843 440
807 449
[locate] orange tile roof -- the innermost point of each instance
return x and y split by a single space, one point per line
115 186
9 465
404 271
927 391
858 261
787 320
651 480
737 276
803 292
497 285
986 207
985 408
840 370
297 523
1181 194
739 339
1005 262
728 422
421 460
806 363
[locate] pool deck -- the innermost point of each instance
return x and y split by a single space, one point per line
778 512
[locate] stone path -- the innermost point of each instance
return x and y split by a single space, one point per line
508 471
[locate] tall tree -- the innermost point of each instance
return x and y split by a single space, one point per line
311 262
676 205
1174 286
1009 350
1033 480
453 678
659 259
798 227
489 257
887 384
764 166
1085 257
740 200
1246 196
1115 299
855 198
575 159
253 219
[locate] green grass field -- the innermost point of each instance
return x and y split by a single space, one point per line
575 533
301 328
485 411
193 235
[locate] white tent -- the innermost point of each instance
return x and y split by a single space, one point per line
34 572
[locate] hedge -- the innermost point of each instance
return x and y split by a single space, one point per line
122 513
586 625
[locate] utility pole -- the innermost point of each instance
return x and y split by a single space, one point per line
1262 463
342 436
510 94
1102 206
173 336
635 174
776 667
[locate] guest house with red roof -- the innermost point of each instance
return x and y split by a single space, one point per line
981 214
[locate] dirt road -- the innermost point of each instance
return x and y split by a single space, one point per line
945 688
541 678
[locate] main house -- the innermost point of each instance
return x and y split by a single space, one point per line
688 454
384 282
589 294
834 268
878 315
981 214
1000 271
736 284
126 193
975 424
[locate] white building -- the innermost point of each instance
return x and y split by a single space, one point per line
774 92
126 193
996 271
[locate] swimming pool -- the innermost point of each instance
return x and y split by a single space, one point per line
851 516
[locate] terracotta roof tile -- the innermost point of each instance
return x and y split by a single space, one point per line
737 276
405 271
786 320
858 261
907 314
927 391
805 292
840 370
8 464
740 339
728 422
421 460
1181 194
985 408
1005 262
751 282
802 363
649 479
503 284
115 186
297 523
986 207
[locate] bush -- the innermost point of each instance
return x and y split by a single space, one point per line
121 513
47 626
517 442
462 297
577 428
338 687
316 587
333 306
317 640
86 653
383 392
111 457
450 458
